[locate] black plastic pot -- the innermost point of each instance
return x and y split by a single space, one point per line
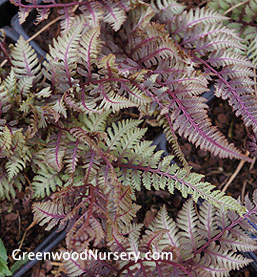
21 30
9 22
7 11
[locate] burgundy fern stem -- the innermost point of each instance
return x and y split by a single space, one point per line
200 131
219 235
91 205
55 216
244 108
166 174
90 167
47 6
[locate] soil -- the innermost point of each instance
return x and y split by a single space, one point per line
46 38
16 216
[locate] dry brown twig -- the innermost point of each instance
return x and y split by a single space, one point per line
233 176
236 6
25 233
243 190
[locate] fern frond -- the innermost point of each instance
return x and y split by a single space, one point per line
139 166
87 231
163 221
13 146
203 33
223 58
240 96
59 108
63 57
41 16
155 58
118 132
6 188
68 18
92 12
172 139
187 221
237 243
201 131
25 61
55 152
245 12
168 8
111 100
45 181
95 122
6 139
139 17
121 208
114 15
14 166
89 138
10 83
24 85
224 259
44 93
201 250
208 226
49 212
90 47
212 51
71 158
203 16
252 50
242 17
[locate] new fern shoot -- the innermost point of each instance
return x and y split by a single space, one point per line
65 127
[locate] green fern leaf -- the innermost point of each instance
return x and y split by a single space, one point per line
45 182
25 60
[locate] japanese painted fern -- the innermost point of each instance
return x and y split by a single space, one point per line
243 19
64 127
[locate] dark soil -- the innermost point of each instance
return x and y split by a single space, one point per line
46 38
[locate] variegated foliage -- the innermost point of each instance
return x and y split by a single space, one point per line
64 126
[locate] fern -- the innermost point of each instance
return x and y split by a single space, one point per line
45 182
63 57
66 126
7 188
243 19
195 240
114 15
25 61
90 48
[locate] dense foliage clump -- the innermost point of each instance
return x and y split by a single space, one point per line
64 126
